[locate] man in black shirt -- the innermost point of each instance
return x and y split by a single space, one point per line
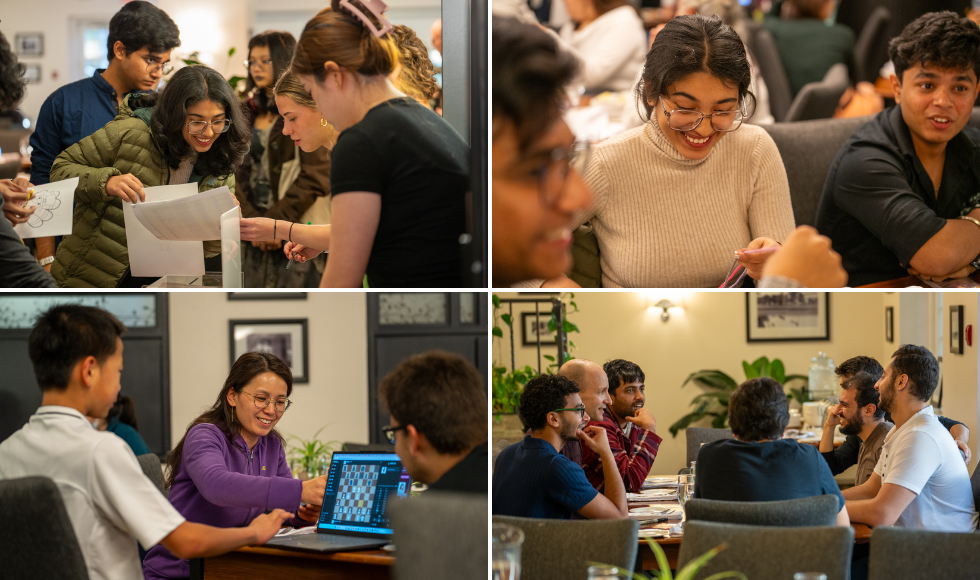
903 195
439 421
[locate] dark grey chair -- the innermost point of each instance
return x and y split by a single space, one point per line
807 149
698 435
819 100
440 536
975 483
975 118
763 46
870 44
819 510
561 549
37 536
150 464
358 447
923 555
769 552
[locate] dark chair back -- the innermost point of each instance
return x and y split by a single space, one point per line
561 549
819 100
37 536
769 552
819 510
586 267
152 468
871 44
358 447
975 118
773 73
923 555
696 436
440 536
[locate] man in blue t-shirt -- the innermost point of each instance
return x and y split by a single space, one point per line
532 479
757 465
141 38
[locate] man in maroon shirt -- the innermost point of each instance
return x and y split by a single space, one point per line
632 429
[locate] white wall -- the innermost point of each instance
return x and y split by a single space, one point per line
337 393
960 371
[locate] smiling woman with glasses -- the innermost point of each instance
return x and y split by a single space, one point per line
676 197
230 466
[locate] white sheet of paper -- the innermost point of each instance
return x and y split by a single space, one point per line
54 208
149 256
196 217
231 249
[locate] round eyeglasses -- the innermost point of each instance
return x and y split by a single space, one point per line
688 119
198 127
262 401
153 65
554 175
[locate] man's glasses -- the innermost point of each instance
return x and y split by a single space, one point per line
198 127
262 401
688 120
265 62
153 65
389 432
579 410
554 176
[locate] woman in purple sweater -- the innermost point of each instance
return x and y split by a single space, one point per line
230 467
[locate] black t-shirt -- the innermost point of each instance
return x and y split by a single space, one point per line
418 164
733 470
468 476
879 205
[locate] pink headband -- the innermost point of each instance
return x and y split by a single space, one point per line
377 8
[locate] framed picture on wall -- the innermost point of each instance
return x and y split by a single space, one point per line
267 296
534 326
889 324
287 339
773 316
32 73
29 44
956 329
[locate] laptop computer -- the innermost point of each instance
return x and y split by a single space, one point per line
355 502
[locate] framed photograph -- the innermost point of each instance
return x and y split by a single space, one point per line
267 296
773 316
32 74
531 330
29 44
956 329
287 339
889 324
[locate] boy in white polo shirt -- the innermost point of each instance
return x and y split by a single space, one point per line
77 356
920 480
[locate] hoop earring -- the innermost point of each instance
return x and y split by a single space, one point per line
323 122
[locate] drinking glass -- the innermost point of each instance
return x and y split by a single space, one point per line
809 576
685 491
506 563
693 463
607 573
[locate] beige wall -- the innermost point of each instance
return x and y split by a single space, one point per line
709 333
960 381
337 393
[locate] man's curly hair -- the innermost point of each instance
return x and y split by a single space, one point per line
416 77
758 410
12 85
542 395
941 39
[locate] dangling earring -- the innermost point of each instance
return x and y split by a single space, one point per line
323 122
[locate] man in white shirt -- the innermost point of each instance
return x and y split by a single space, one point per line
920 480
77 356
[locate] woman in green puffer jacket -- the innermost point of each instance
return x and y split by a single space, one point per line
191 132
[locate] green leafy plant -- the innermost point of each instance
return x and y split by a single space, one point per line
311 455
720 386
687 572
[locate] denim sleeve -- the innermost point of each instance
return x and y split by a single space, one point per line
46 139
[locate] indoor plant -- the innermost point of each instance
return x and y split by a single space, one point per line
310 457
687 572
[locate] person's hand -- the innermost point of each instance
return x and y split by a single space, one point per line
961 273
644 419
808 258
752 259
128 187
257 229
309 512
560 282
15 193
299 252
965 449
833 417
267 525
596 438
313 490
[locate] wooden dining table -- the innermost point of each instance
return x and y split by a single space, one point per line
911 282
266 562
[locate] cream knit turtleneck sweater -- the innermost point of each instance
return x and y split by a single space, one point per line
663 220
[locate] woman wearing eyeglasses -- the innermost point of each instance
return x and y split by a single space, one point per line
230 466
677 197
277 180
191 132
399 172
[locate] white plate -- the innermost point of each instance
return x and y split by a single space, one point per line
652 533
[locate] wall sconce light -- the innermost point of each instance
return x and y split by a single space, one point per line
665 304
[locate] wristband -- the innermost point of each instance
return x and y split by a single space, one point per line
274 229
966 217
975 264
46 261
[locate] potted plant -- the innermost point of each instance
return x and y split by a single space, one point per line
309 458
720 386
687 572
